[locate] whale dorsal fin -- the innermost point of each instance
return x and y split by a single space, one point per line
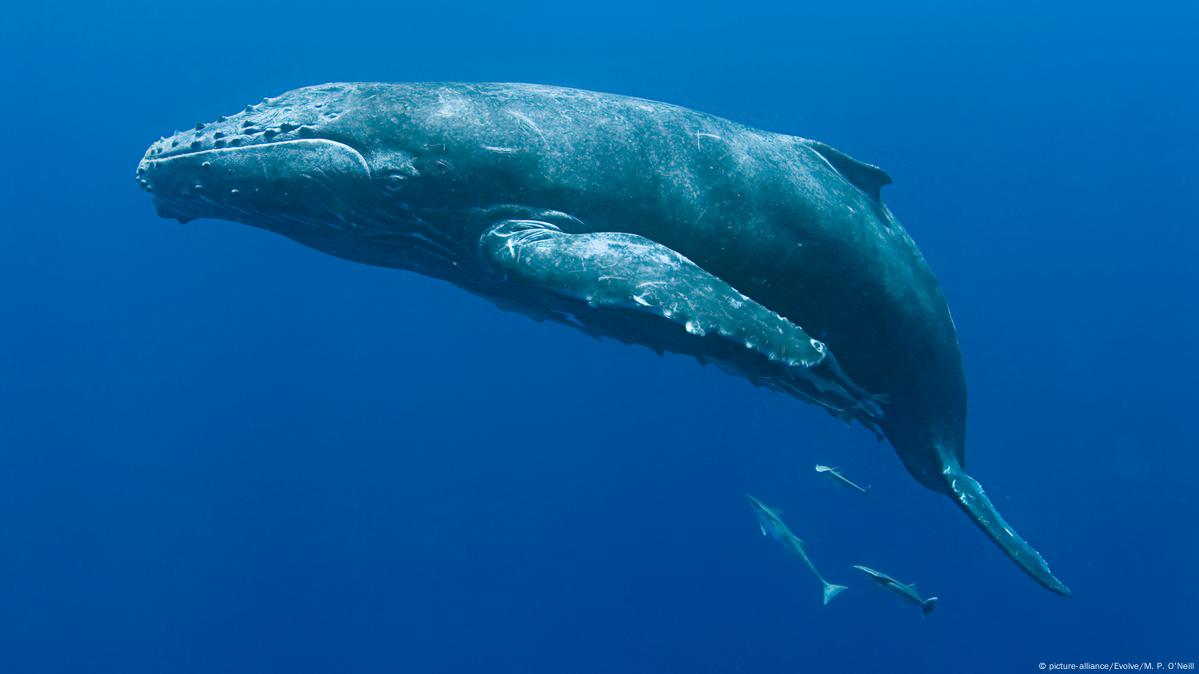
866 177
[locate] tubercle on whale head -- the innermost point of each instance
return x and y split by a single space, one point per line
302 113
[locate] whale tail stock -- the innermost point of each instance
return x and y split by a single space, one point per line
969 495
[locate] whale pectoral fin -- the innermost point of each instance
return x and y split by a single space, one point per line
640 286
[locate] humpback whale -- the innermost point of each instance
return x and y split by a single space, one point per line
626 218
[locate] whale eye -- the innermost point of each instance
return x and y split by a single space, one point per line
391 170
394 179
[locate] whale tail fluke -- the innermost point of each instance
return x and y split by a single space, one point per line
969 495
927 606
832 590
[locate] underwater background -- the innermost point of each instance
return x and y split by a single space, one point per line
221 451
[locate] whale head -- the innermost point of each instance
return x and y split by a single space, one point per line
377 176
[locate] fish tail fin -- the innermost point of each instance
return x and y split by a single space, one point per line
927 606
969 495
832 590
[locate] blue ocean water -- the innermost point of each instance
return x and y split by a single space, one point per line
223 452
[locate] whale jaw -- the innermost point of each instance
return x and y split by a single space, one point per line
296 180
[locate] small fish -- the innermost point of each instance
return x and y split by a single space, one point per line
771 524
908 592
836 475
